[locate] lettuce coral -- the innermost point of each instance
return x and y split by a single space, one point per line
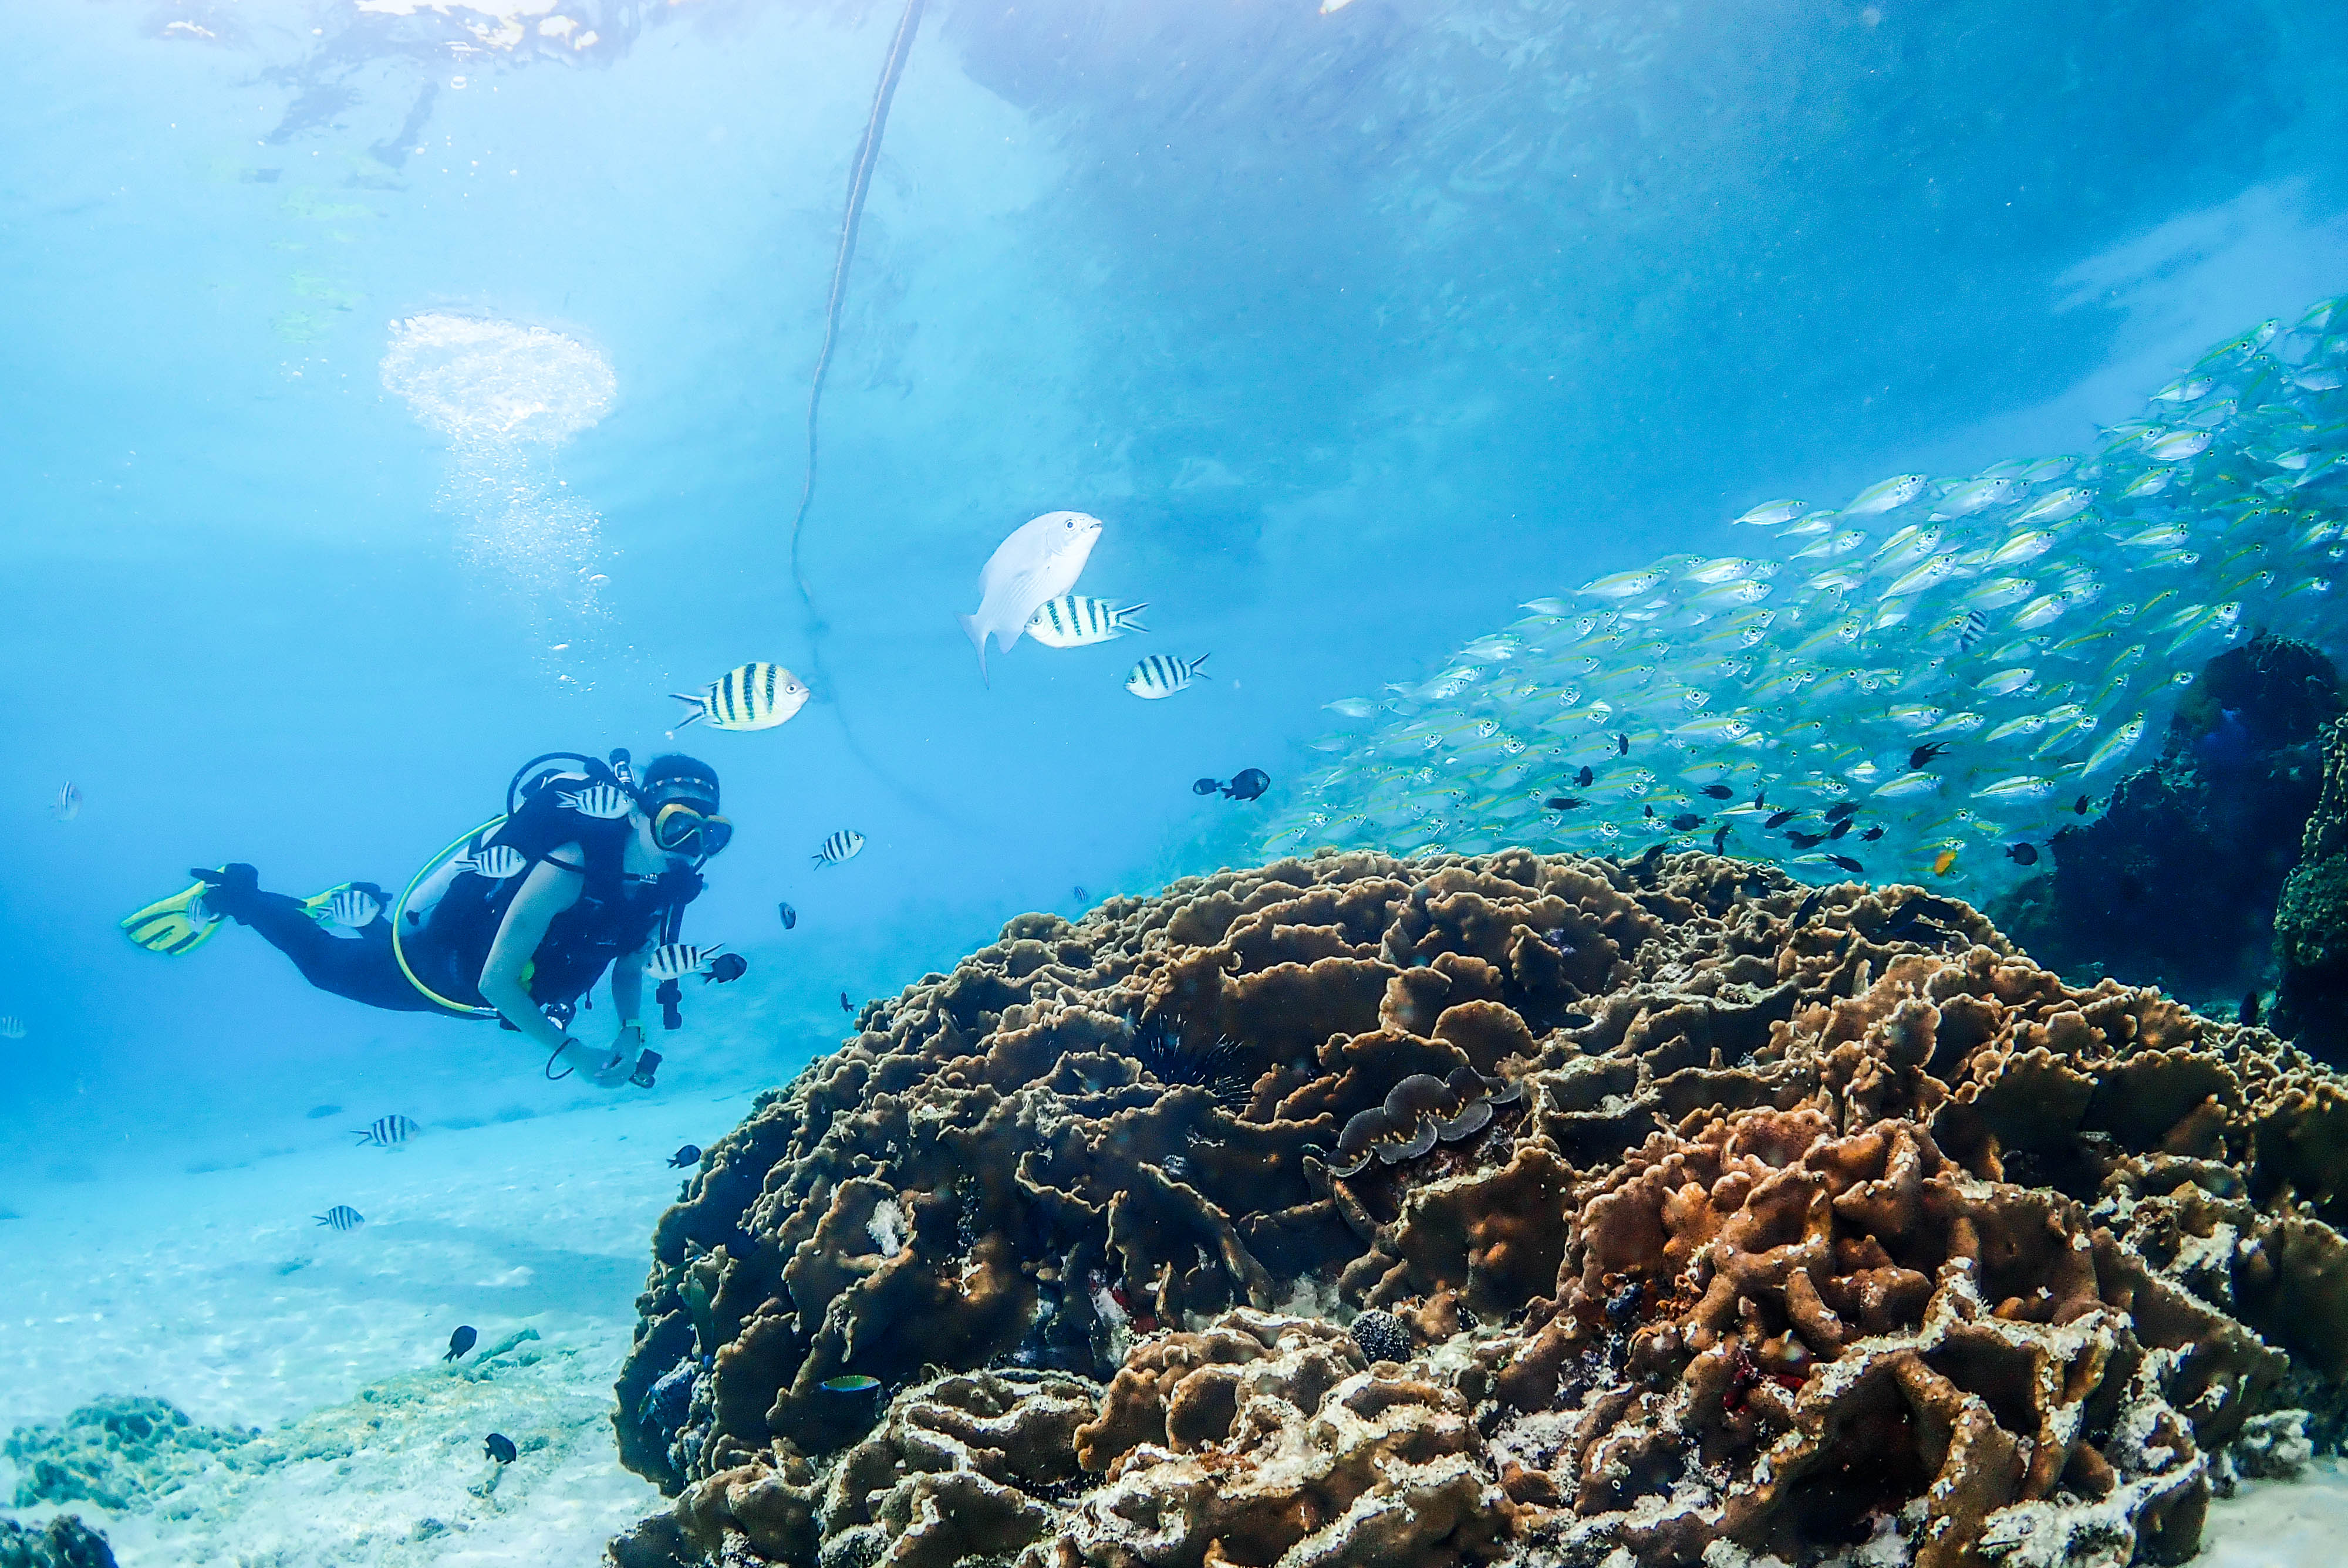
1693 1209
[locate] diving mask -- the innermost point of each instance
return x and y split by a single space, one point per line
681 827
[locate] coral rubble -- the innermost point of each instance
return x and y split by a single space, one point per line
1501 1208
65 1543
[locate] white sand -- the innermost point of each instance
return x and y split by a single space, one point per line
218 1293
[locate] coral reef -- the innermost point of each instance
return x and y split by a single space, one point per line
66 1542
2215 823
117 1453
1695 1211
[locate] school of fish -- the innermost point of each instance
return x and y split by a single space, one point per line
1902 690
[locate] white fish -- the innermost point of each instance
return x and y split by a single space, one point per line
2322 379
1886 494
2027 545
387 1131
2025 787
11 1027
753 696
1163 675
2151 482
497 863
1040 561
355 908
604 801
841 846
1352 707
674 961
1974 496
1909 785
1546 606
2047 607
2170 446
1769 514
2184 389
2059 507
2005 682
1624 584
68 803
1072 620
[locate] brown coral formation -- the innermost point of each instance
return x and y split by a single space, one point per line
1700 1211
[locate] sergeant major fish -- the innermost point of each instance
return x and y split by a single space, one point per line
387 1131
1161 675
674 961
1073 621
603 802
839 846
753 696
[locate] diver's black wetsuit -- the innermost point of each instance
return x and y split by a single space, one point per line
366 970
614 913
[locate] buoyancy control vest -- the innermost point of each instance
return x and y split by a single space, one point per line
451 915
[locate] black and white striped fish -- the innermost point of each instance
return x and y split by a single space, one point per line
1073 621
674 961
11 1027
387 1131
752 696
1970 630
497 863
1163 675
342 1217
355 908
841 846
606 802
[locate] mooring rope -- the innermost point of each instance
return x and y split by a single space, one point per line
859 180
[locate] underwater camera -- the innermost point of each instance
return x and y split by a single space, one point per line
646 1065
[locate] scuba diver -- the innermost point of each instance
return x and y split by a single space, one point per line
590 867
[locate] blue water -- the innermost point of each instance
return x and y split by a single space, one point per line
1355 329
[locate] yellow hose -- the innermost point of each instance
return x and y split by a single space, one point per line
400 908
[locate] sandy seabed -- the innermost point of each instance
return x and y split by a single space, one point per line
220 1293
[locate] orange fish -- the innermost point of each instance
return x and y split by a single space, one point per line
1943 861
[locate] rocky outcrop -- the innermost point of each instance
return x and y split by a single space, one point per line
2214 825
1689 1207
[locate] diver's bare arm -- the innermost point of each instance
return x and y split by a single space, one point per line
627 996
547 892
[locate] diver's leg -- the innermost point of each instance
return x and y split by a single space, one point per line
363 971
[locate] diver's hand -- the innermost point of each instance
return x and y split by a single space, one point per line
612 1072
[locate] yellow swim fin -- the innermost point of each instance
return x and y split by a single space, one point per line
180 924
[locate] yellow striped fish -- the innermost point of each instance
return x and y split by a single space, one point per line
1073 621
751 697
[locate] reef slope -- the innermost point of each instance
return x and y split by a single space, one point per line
1498 1208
